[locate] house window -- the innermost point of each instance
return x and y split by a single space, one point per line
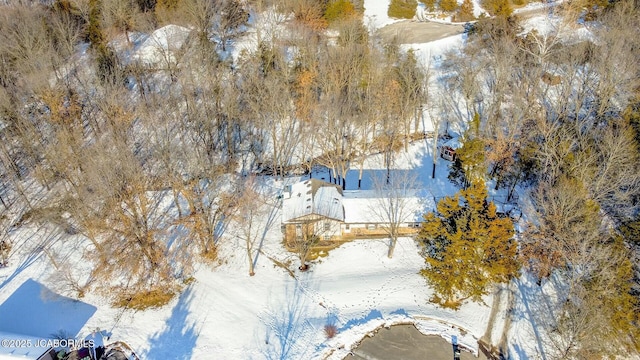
327 237
346 226
327 226
371 226
299 230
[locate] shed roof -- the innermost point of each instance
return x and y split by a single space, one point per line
454 143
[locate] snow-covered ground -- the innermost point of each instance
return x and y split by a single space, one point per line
547 26
226 314
375 14
230 314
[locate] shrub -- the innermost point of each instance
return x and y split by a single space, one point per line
310 14
404 9
330 330
143 300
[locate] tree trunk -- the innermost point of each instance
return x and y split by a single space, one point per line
360 173
251 268
392 246
512 189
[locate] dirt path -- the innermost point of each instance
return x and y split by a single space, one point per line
413 32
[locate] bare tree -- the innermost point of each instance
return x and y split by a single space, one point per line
247 216
211 202
269 98
135 221
308 235
121 15
395 204
232 17
5 243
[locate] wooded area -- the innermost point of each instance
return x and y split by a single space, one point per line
101 145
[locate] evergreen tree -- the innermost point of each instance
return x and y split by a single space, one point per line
469 165
448 5
338 10
499 8
465 12
632 114
404 9
430 4
94 29
469 247
106 60
609 292
631 231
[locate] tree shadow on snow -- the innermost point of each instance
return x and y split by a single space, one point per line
287 324
539 307
522 354
34 255
28 261
178 339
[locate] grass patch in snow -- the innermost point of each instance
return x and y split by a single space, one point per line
146 299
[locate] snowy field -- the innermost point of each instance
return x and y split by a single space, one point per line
375 14
230 314
227 314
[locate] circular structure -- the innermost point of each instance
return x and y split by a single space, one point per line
405 342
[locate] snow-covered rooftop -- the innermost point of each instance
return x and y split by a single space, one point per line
366 206
161 44
313 197
454 143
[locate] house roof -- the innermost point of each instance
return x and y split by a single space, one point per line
160 45
313 197
454 143
366 206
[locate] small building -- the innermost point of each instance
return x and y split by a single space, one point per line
448 149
